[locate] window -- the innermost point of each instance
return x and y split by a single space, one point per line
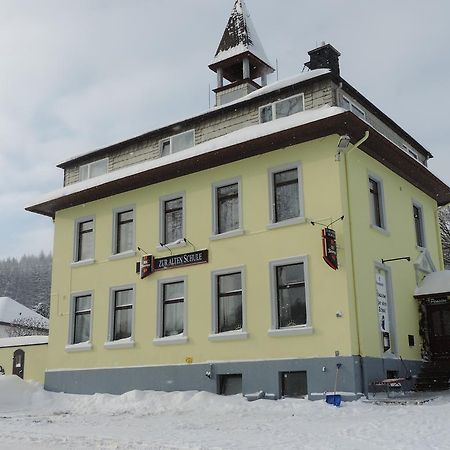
294 384
81 322
376 203
172 218
228 305
171 314
290 308
177 143
350 106
281 108
121 313
227 207
84 239
285 194
418 225
93 169
230 384
123 230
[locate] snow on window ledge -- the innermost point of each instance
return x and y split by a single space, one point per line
176 244
286 223
229 336
169 340
227 234
291 331
121 343
80 347
380 229
83 262
127 254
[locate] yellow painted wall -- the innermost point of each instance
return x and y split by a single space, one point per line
35 361
371 245
254 250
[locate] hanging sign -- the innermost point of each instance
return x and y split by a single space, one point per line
383 307
329 252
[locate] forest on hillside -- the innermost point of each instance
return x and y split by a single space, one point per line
27 280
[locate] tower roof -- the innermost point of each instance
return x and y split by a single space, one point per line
240 38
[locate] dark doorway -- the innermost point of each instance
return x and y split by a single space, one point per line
18 363
439 329
294 384
230 384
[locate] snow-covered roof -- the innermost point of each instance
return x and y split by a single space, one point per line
10 310
290 81
434 283
240 36
236 137
20 341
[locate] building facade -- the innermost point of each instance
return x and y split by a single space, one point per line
271 236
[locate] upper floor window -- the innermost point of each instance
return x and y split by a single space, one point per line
285 193
418 225
376 203
123 232
350 106
281 108
227 210
84 239
93 169
172 218
177 143
121 316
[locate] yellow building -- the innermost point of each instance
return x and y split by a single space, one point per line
275 230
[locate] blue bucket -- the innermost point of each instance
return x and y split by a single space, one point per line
334 399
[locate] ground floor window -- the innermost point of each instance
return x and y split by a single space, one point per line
294 384
121 323
230 384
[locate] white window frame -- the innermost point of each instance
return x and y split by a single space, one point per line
125 342
89 165
353 107
227 335
381 202
274 330
162 222
81 346
76 241
170 140
419 206
274 109
271 174
168 340
131 252
215 216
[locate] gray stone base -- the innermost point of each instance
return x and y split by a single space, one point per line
354 377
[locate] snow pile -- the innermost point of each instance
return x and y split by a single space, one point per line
31 418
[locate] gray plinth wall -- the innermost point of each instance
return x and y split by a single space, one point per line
353 380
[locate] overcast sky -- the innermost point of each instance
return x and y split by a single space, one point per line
78 75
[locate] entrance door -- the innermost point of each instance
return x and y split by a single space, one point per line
18 363
439 326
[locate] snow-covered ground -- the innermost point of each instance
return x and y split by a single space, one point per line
31 418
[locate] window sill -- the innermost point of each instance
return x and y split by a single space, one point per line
286 223
80 347
228 234
127 254
380 230
228 336
292 331
171 340
121 343
83 262
176 244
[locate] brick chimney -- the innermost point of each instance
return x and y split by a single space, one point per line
324 57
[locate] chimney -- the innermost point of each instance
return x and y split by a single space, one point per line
324 57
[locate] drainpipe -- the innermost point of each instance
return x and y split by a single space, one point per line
347 200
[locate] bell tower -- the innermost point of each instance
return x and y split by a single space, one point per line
240 58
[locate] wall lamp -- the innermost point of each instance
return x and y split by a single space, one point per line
344 142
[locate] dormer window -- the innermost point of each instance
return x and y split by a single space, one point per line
177 143
93 169
281 108
350 106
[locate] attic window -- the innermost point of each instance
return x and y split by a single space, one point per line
176 143
93 169
350 106
410 152
281 108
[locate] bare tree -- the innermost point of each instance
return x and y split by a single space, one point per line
444 221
